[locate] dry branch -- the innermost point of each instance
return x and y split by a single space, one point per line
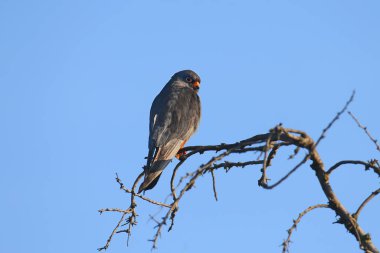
365 130
365 202
285 244
268 143
372 164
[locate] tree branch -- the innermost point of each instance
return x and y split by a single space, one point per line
365 130
323 135
367 165
269 144
285 244
365 202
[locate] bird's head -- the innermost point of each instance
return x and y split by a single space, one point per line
187 78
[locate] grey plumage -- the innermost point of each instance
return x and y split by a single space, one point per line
174 117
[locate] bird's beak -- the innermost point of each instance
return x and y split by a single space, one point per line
196 85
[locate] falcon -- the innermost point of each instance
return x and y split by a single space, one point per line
174 117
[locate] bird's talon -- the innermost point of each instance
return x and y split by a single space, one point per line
180 154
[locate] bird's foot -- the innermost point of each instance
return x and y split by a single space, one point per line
180 154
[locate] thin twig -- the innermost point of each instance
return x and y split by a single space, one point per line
366 131
285 244
118 210
113 233
159 227
182 179
365 202
132 218
263 181
367 165
214 185
323 135
295 152
122 186
228 165
172 188
174 206
270 187
235 146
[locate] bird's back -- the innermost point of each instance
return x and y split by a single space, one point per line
174 117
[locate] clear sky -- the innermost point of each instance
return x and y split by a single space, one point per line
77 79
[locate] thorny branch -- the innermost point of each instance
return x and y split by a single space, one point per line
365 130
371 164
268 144
365 202
323 135
285 244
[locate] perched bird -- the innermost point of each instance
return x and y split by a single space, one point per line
174 117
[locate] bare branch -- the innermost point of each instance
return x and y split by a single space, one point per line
366 131
367 165
118 210
335 204
295 152
122 186
131 221
214 185
268 144
113 233
263 181
174 206
174 194
228 165
323 135
285 244
365 202
235 146
159 227
270 187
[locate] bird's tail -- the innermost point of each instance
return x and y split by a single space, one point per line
152 175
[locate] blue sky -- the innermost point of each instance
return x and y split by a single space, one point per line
77 79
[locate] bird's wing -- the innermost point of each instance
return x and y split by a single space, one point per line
174 117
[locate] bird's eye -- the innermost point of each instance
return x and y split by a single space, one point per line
188 79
